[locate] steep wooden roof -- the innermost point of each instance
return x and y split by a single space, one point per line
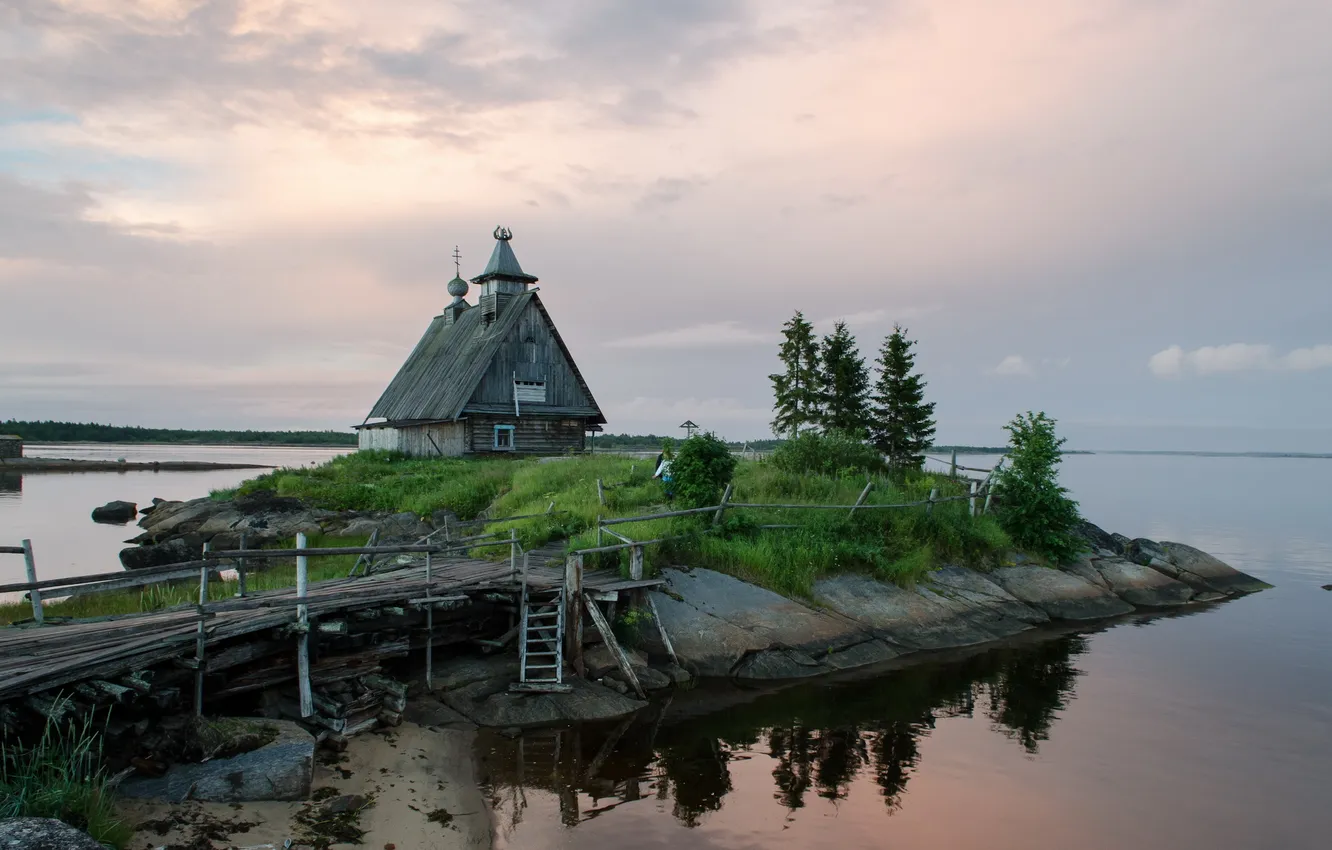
443 371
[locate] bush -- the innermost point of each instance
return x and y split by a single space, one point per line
702 468
1034 510
827 454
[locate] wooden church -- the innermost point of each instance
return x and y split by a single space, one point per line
491 378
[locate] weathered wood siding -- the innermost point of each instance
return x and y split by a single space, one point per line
446 439
531 434
530 351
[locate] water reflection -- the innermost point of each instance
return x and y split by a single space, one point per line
11 483
820 738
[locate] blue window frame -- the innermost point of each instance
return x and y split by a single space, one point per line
503 438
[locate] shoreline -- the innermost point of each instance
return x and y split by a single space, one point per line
52 464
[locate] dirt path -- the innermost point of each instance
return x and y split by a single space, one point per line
413 786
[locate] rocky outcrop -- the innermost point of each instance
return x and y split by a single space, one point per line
1202 571
43 834
279 770
490 703
115 512
178 551
1061 595
1141 587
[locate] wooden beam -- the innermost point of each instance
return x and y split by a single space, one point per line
721 509
573 611
864 494
621 660
35 595
661 628
303 620
636 563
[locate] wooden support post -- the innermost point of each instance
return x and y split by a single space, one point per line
636 563
430 631
201 638
621 660
599 531
952 465
601 493
721 509
240 570
513 554
975 488
34 594
665 638
550 509
929 503
864 494
573 611
303 620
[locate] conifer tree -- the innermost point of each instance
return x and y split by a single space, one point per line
845 384
796 387
901 421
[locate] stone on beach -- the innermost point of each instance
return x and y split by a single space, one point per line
115 512
43 834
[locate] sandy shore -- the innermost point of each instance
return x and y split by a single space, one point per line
419 782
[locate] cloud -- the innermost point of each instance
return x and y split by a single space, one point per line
1175 362
707 335
1014 365
666 191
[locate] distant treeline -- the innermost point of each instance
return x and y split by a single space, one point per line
79 432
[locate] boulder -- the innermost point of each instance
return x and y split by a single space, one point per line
279 770
1059 594
178 551
769 664
1099 538
43 834
490 703
1198 569
115 512
715 620
599 660
1141 586
1143 551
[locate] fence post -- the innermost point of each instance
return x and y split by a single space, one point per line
599 531
601 493
513 554
240 569
430 631
864 494
952 465
929 503
975 489
573 611
34 594
636 563
303 622
989 485
201 638
721 509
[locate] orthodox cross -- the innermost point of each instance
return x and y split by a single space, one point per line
457 260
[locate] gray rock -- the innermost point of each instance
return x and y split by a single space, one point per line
916 618
860 655
1085 569
1098 538
1327 587
461 671
681 676
771 664
1059 594
280 770
1198 569
1141 551
1141 586
990 606
43 834
429 711
492 704
599 660
177 551
115 512
650 679
715 620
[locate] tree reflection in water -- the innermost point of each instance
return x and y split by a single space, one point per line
821 737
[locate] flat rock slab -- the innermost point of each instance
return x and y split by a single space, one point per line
1199 569
490 703
715 621
916 618
279 770
1059 594
43 834
1141 586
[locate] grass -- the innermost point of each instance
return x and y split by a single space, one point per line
185 592
894 545
62 777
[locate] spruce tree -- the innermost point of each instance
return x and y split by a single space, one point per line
901 421
796 387
845 384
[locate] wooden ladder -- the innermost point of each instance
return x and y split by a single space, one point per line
541 641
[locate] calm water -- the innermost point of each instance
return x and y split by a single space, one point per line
1212 729
52 508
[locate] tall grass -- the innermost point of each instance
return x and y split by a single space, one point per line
62 777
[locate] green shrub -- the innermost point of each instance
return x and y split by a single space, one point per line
62 777
702 468
1034 510
827 454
